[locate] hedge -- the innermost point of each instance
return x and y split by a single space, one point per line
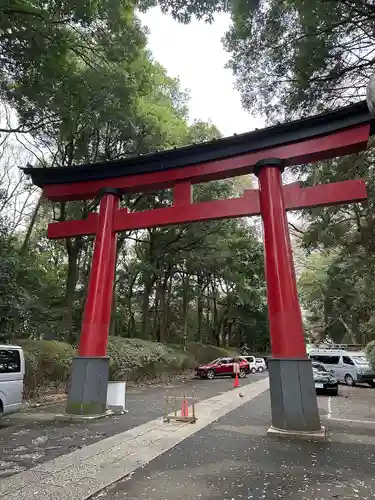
370 353
48 362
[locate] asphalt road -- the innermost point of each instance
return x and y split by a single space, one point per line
233 459
30 438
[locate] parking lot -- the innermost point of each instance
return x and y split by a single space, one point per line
352 405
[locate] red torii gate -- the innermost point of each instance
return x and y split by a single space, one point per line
265 152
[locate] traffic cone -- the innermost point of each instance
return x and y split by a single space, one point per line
236 382
183 408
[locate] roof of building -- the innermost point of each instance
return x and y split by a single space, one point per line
227 147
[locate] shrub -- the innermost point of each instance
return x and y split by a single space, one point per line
370 353
207 353
135 359
48 362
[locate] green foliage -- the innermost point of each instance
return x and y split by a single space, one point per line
370 353
295 56
83 84
47 363
136 359
185 10
206 353
30 292
338 290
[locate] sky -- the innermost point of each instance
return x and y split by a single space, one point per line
195 54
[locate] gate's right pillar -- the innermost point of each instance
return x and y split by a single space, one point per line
294 405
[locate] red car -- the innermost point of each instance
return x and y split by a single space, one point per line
222 367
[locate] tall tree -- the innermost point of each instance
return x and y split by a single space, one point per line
294 57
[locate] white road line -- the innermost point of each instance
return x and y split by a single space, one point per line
329 407
352 420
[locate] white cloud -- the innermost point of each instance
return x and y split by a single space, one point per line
195 54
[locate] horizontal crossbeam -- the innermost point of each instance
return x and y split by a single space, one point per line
319 148
183 211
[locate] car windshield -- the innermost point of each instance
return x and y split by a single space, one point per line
319 367
360 360
215 361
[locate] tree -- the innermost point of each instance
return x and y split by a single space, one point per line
294 57
90 92
184 11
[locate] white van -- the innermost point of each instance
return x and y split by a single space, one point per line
349 367
12 372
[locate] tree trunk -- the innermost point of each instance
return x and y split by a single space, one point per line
72 249
30 228
185 304
215 322
145 309
163 308
113 325
156 322
350 332
229 334
199 309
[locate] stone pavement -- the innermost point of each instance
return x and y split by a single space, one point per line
34 437
86 471
232 459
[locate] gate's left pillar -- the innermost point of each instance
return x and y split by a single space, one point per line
90 369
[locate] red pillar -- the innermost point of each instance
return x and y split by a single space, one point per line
285 320
98 306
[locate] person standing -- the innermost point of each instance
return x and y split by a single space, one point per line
236 366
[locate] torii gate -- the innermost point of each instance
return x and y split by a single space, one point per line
265 152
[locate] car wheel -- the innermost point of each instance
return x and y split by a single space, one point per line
210 374
349 380
260 369
242 374
253 370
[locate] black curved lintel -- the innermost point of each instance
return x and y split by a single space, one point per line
228 147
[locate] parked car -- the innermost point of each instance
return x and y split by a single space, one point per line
260 365
12 371
222 367
324 381
349 367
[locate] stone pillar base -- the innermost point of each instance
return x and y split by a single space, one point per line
309 436
294 405
88 387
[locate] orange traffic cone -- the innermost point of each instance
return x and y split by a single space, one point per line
236 382
183 408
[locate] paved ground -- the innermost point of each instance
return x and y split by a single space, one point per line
33 437
233 459
83 473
